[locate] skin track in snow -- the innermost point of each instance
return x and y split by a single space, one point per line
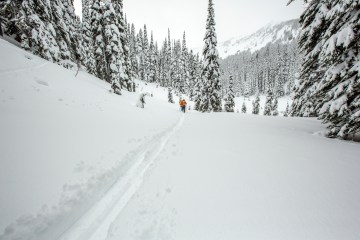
94 225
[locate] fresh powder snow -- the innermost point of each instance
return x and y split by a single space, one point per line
81 163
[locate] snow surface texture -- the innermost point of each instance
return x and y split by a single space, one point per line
255 178
80 163
64 141
284 32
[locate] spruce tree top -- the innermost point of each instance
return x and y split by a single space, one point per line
210 52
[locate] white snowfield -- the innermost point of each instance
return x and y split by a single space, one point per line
80 163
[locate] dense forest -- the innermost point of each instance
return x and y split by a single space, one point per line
103 43
273 67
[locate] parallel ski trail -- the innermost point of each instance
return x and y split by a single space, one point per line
95 223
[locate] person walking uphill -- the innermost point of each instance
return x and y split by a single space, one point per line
183 104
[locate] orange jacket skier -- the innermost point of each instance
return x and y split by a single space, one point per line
183 104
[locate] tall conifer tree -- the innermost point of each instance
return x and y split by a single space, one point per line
256 105
330 87
87 39
211 93
269 104
230 104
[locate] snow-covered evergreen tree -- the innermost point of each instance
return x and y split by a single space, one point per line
185 75
68 30
275 105
133 54
145 56
1 26
140 54
157 63
243 107
161 65
268 104
4 17
176 70
313 23
49 29
87 39
287 111
10 13
256 105
37 29
168 61
339 88
113 49
330 86
71 21
152 61
80 60
230 103
192 76
198 94
197 83
99 43
211 94
170 96
126 81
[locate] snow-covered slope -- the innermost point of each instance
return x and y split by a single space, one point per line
283 32
240 176
80 163
64 140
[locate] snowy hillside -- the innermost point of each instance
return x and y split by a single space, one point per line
80 163
283 32
64 141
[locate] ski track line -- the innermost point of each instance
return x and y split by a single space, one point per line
95 223
24 69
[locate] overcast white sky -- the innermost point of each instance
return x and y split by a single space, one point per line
233 17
